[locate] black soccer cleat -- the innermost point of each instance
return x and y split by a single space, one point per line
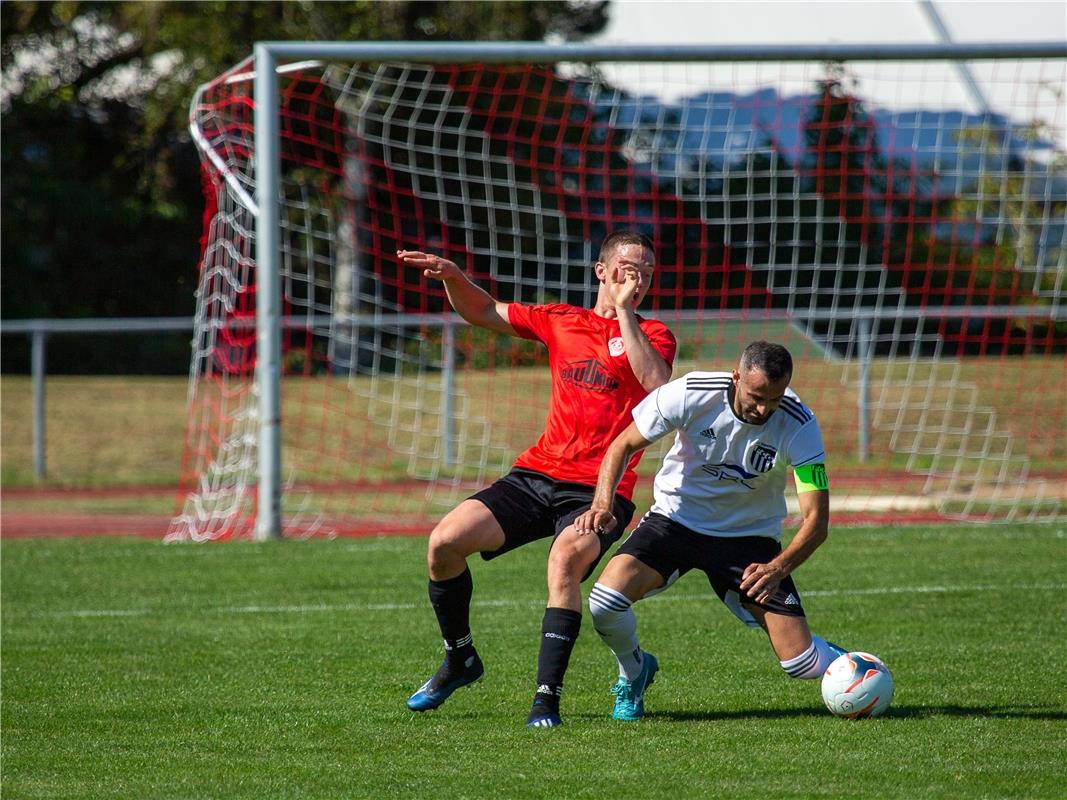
543 715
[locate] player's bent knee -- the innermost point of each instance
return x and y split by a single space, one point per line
667 584
449 543
570 557
443 539
570 562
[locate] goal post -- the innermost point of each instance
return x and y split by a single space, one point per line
268 375
909 249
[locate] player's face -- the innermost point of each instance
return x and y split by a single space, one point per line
631 260
756 396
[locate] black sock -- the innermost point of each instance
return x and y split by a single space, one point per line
451 601
559 631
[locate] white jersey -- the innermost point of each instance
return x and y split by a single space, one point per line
724 476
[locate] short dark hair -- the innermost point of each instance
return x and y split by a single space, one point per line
771 359
619 238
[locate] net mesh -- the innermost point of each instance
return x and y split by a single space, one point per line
907 249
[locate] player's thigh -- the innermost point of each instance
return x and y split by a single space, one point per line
789 635
630 576
468 528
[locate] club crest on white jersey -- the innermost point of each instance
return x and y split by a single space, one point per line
761 457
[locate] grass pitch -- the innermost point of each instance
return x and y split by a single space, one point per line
133 669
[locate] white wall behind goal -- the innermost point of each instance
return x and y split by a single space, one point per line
731 22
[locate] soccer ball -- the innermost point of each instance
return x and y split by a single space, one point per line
857 685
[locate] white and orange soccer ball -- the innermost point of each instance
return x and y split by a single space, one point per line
857 685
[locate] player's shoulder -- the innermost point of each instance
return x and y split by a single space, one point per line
545 318
701 382
551 309
795 408
651 325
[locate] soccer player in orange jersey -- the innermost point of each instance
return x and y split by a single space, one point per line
603 360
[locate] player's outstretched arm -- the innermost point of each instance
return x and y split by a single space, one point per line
760 581
619 453
471 302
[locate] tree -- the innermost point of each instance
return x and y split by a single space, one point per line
101 186
1016 253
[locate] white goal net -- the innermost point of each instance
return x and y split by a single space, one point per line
907 246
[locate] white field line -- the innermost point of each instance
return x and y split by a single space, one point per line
332 608
842 501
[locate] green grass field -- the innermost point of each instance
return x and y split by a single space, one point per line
133 669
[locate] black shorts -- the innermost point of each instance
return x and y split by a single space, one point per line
530 506
673 549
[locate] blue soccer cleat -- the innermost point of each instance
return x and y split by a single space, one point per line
630 696
445 681
837 649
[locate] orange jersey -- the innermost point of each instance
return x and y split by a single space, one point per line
594 389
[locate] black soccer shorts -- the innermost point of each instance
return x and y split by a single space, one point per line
530 505
672 549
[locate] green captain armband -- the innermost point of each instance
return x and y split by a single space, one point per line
811 478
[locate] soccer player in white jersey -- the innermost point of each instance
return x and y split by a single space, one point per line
719 503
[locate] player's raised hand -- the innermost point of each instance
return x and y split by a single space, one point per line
624 283
594 521
432 266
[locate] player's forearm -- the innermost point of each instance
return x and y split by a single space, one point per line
812 533
469 301
611 470
804 543
648 365
477 306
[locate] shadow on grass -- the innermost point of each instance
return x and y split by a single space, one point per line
711 716
1056 714
894 712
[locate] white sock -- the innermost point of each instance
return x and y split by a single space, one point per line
812 663
616 624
